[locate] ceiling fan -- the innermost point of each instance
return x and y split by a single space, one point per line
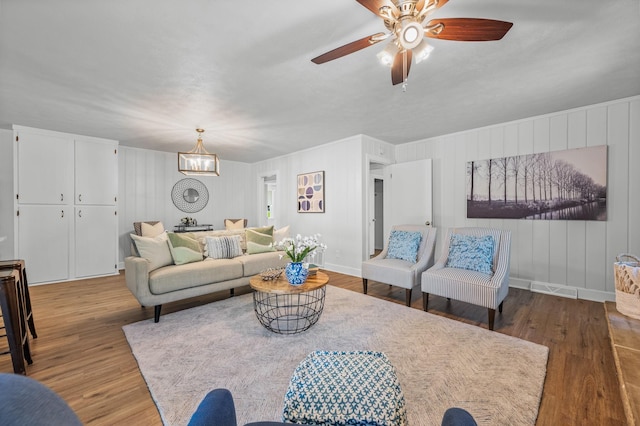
405 21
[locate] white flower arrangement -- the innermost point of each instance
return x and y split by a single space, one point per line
298 248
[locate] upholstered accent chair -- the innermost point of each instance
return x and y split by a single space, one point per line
388 269
467 280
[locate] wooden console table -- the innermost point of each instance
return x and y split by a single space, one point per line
184 228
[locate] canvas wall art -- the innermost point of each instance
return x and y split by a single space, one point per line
311 192
559 185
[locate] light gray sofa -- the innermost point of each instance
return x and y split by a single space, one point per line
177 282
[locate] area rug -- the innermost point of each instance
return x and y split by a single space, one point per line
440 362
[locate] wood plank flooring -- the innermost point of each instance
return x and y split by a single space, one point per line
82 354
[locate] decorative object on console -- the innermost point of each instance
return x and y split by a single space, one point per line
188 221
311 192
198 161
190 195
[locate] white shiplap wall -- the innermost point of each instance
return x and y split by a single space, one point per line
341 225
575 254
146 178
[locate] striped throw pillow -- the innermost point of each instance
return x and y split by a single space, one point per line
223 247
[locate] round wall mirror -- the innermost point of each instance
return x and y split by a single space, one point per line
190 195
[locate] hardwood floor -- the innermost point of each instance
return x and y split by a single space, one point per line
82 354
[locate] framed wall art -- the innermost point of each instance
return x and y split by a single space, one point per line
559 185
311 192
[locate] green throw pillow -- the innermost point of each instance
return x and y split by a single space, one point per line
260 242
184 249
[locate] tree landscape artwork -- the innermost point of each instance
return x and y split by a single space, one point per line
559 185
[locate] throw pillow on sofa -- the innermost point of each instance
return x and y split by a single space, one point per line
280 234
184 249
151 230
223 247
234 224
260 240
154 249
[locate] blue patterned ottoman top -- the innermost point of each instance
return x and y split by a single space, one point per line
345 388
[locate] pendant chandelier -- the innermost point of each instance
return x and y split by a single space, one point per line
198 161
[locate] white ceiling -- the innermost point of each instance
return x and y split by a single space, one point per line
148 72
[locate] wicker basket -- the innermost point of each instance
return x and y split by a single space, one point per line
627 278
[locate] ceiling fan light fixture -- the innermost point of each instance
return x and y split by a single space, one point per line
422 52
386 55
411 33
198 161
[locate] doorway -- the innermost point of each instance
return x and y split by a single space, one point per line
375 208
267 199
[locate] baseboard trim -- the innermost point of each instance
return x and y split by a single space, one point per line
342 269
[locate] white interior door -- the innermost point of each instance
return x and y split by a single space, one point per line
407 194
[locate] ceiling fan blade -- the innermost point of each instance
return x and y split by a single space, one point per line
375 5
420 4
401 67
348 48
469 29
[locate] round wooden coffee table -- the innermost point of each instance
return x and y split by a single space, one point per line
287 309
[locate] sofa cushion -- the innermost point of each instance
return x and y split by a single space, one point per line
184 249
178 277
155 250
253 264
223 247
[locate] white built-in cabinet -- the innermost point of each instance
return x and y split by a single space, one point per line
66 204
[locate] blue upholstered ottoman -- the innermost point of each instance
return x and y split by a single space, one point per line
345 388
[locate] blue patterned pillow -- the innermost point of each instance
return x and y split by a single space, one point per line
404 245
473 253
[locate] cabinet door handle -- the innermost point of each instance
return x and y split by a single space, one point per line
61 197
62 215
79 213
80 197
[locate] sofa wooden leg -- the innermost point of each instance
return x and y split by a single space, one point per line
156 313
425 301
492 316
500 307
365 283
408 296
